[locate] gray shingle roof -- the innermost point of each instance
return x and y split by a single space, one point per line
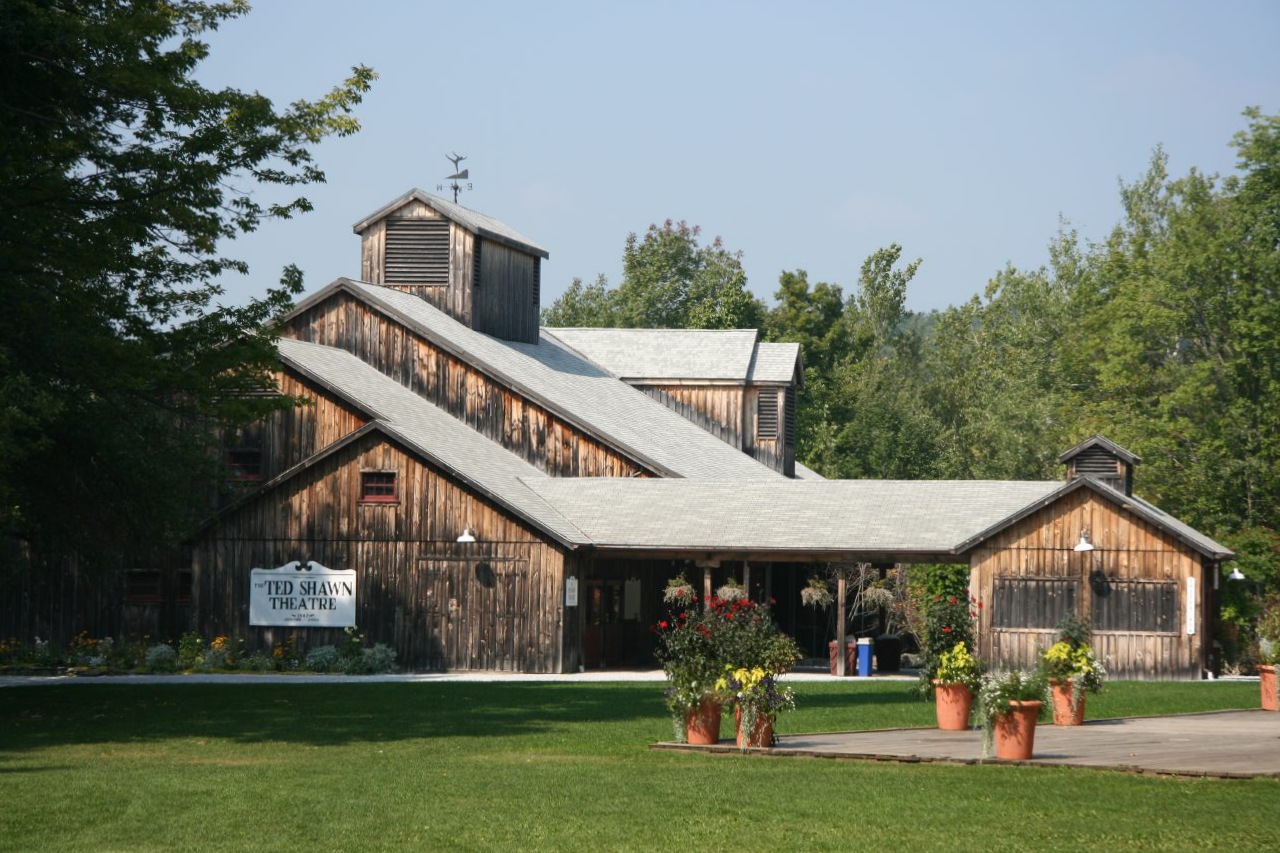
774 362
472 220
577 390
431 431
923 516
672 354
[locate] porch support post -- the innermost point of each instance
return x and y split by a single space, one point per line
840 624
746 576
706 586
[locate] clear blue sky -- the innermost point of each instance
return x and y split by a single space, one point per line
805 134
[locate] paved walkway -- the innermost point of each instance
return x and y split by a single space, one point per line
402 678
1229 744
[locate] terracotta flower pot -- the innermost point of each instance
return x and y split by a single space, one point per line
702 723
1063 715
1016 731
953 703
761 736
1267 675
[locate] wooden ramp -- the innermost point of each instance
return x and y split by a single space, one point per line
1226 744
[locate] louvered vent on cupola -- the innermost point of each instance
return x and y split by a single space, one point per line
767 414
1102 460
417 252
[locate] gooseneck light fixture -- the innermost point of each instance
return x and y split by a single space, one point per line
468 535
1084 544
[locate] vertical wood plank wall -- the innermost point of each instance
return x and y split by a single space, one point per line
715 408
493 409
504 303
1126 548
494 604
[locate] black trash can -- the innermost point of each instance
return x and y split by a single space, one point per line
888 653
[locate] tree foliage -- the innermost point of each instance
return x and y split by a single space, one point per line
670 281
121 178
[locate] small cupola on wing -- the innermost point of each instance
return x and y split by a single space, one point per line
479 271
1102 460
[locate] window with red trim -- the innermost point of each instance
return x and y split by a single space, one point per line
244 464
143 586
378 487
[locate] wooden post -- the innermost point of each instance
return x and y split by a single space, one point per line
706 585
746 577
840 625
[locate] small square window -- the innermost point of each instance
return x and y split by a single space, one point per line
244 464
143 586
378 486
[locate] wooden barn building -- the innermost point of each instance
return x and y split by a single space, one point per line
502 497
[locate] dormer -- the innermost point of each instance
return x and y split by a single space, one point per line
1102 460
740 389
479 271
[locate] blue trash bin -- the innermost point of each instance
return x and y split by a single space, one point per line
864 656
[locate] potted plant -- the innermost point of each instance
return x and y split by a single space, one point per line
947 620
1070 672
1269 650
1071 669
731 591
692 664
696 648
679 592
757 701
817 594
956 677
1009 704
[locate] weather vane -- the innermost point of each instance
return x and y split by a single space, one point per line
457 176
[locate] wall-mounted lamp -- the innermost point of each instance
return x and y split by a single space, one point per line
1236 574
468 535
1084 544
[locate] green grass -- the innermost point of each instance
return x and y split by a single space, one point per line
556 767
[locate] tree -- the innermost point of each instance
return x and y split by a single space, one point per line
668 281
583 305
120 181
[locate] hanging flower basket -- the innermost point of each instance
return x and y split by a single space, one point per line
817 594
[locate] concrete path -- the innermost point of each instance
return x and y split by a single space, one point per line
1229 744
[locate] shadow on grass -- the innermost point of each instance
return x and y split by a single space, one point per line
320 715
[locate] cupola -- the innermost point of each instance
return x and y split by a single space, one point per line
479 271
1102 460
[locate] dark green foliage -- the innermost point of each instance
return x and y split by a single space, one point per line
120 180
669 281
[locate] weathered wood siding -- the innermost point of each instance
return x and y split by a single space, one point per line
506 292
454 298
1129 578
495 410
494 604
777 450
54 598
715 408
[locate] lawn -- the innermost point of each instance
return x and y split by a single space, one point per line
463 766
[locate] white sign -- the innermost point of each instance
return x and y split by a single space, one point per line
1191 605
299 596
571 592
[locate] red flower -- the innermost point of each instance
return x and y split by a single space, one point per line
946 630
664 624
952 599
979 605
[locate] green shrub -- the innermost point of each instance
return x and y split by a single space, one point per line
322 659
161 658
